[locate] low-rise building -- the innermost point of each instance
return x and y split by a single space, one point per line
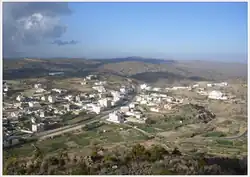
217 95
105 103
143 86
40 90
37 86
51 99
34 104
38 127
154 109
116 117
124 109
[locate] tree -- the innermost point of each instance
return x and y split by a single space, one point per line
150 121
176 151
157 153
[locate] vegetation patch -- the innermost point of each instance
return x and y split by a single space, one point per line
214 134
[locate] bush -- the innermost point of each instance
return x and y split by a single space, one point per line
176 151
225 142
150 121
157 153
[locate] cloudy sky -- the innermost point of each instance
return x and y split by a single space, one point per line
102 30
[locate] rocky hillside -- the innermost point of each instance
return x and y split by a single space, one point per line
135 161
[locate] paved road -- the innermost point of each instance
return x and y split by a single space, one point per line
236 137
70 128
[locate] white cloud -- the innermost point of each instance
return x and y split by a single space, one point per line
27 24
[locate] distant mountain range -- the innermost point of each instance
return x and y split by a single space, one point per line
138 59
108 60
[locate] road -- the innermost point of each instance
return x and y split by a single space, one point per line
69 128
236 137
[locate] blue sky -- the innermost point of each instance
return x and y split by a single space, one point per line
214 31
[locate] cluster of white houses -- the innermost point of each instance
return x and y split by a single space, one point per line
49 105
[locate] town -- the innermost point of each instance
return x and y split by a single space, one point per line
47 110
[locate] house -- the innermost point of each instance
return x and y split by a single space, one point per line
83 83
167 106
37 127
42 114
179 88
100 88
56 90
148 88
217 95
94 108
131 105
68 97
10 141
209 85
156 89
222 84
67 107
105 102
154 109
43 98
51 99
115 117
195 86
19 98
40 90
37 86
5 89
91 77
77 98
124 109
34 104
123 90
143 86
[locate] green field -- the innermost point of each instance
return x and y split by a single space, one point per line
112 134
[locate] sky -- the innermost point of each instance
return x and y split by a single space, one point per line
205 31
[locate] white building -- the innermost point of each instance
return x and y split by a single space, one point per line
77 99
105 103
19 98
222 84
195 85
124 109
156 89
154 109
90 77
96 109
67 107
209 85
56 90
37 86
179 88
40 90
34 104
42 114
131 105
51 99
115 117
143 86
68 97
38 127
5 89
100 88
43 98
217 95
123 90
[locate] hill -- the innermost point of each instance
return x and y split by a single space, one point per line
136 160
135 67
